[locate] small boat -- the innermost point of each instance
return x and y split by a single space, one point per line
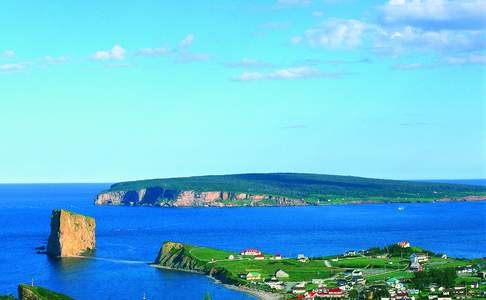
401 208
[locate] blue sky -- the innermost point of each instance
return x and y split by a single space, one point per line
103 91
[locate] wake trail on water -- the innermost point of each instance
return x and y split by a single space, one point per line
114 260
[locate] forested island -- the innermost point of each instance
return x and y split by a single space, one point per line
280 189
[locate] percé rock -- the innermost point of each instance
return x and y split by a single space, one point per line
71 234
189 198
28 292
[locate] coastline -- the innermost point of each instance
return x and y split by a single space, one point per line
261 295
354 202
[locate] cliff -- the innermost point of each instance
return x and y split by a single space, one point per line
27 292
71 234
280 189
156 196
177 256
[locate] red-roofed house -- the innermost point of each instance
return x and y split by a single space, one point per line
253 252
404 244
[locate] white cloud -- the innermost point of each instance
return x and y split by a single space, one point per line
287 73
154 51
248 63
468 59
336 33
187 41
295 40
411 39
412 66
12 67
8 53
188 57
54 60
436 14
116 53
317 13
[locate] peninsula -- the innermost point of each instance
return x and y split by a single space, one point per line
280 189
398 271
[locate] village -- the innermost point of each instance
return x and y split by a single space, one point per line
399 272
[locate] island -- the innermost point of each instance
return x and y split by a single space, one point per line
398 271
71 234
280 189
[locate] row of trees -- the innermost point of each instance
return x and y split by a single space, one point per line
441 277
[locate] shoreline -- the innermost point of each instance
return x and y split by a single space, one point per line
261 295
354 202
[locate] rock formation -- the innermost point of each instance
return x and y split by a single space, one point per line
156 196
71 234
28 292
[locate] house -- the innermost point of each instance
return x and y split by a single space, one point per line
350 253
302 258
299 288
444 256
252 252
419 257
404 244
356 273
474 285
336 293
231 257
415 267
259 257
318 281
253 276
277 256
465 270
281 274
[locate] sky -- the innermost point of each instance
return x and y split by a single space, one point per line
107 91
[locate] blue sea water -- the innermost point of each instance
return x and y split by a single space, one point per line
128 237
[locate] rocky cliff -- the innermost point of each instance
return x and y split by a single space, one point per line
175 256
156 196
71 234
28 292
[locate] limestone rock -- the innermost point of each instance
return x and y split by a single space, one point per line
71 234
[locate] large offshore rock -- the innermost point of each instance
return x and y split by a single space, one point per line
71 234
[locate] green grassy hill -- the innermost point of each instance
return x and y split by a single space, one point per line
311 187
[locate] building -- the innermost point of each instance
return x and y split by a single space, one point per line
253 276
259 257
415 267
350 253
252 252
299 288
419 257
277 256
281 274
404 244
465 270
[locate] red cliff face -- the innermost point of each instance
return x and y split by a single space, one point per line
71 234
189 198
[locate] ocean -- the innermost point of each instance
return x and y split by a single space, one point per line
130 237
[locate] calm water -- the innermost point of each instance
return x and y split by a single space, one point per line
127 237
